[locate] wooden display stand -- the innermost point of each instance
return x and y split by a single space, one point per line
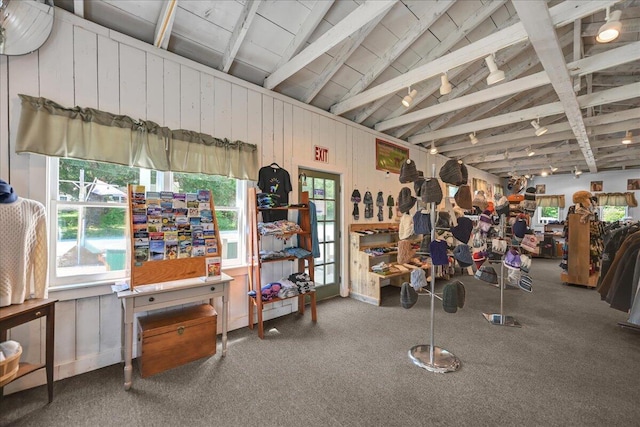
255 267
364 284
579 249
165 270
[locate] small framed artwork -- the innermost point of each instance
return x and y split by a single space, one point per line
633 184
595 186
541 188
389 157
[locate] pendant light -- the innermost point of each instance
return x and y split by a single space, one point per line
445 86
408 99
433 150
495 75
530 152
610 30
472 137
540 130
552 169
627 138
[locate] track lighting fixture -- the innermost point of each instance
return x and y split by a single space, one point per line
407 100
445 86
433 150
495 75
610 30
552 169
540 130
472 137
627 138
530 152
577 172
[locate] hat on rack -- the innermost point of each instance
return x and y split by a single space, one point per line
7 195
480 200
462 293
530 243
355 196
431 191
408 171
405 251
502 206
525 283
421 223
462 231
417 185
408 296
525 263
488 274
443 219
463 197
530 193
462 254
405 200
454 172
450 298
519 228
512 259
479 258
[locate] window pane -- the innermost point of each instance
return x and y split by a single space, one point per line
330 270
318 188
319 275
613 213
330 210
223 188
329 232
330 189
330 252
321 232
84 181
90 240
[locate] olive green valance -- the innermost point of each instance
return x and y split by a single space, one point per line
550 201
89 134
617 199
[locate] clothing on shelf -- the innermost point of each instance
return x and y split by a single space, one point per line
275 180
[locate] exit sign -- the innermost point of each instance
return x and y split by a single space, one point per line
322 154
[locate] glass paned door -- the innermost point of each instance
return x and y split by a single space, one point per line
324 192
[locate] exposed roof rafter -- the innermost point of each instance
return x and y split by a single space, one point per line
239 32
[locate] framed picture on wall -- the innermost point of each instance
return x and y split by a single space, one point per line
389 157
541 188
595 186
633 184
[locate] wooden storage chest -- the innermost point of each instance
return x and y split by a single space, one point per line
176 337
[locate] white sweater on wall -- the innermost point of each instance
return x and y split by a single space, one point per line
23 254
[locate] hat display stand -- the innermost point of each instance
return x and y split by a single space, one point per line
428 356
501 319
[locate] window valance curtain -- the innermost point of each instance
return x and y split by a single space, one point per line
86 133
617 199
550 201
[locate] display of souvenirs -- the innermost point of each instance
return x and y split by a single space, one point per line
169 225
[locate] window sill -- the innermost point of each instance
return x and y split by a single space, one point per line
96 289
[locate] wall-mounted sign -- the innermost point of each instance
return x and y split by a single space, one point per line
322 154
389 157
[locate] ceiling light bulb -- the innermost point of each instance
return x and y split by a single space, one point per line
445 86
544 173
530 152
433 150
495 75
407 100
627 138
540 130
610 30
472 137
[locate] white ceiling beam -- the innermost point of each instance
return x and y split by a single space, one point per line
320 9
365 13
536 19
78 8
164 25
629 26
589 65
435 10
239 33
591 100
345 51
561 14
442 48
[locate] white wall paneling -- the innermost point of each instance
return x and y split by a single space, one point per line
4 118
109 75
155 79
189 98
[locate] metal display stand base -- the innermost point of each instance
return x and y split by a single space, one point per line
500 320
442 362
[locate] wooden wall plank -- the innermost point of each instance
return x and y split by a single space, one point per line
133 96
85 68
206 104
4 117
110 324
171 94
254 117
154 83
189 99
222 108
87 327
268 153
287 143
65 330
239 111
108 75
278 132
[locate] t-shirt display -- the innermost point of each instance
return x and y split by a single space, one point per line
276 181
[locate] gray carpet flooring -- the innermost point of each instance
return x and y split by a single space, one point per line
569 364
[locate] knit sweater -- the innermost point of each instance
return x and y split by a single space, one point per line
23 258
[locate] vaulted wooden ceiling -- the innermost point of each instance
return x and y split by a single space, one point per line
358 59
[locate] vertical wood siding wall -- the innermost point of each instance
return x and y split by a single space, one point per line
83 64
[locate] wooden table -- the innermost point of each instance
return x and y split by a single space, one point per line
17 314
168 294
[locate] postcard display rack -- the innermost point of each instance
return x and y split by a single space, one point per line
428 356
174 236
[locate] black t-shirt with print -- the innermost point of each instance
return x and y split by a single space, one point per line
276 181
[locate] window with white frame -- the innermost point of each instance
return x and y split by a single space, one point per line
88 214
548 214
613 213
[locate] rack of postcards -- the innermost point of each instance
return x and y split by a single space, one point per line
173 236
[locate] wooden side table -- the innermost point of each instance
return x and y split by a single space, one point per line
18 314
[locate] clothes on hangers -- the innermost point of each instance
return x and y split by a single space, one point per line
275 180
